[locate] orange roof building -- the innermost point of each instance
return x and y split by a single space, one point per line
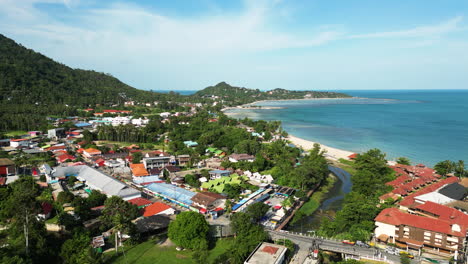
90 152
139 170
158 208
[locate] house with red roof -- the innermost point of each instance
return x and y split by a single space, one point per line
22 142
158 208
431 226
91 152
46 211
64 157
140 202
352 156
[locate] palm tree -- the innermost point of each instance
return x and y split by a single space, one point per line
460 169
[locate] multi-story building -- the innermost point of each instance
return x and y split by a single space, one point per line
156 162
431 226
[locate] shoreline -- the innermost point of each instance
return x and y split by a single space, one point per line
330 152
249 105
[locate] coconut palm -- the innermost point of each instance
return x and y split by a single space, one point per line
460 170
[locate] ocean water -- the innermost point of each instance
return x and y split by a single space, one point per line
425 126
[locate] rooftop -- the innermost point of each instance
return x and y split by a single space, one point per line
267 253
395 217
155 209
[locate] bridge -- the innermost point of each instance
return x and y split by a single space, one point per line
306 241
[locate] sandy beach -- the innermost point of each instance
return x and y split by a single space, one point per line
332 153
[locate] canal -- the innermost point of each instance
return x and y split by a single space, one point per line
332 202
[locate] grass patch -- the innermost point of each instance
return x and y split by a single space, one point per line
151 252
346 165
53 220
222 245
15 133
314 202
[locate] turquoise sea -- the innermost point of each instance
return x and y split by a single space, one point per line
425 126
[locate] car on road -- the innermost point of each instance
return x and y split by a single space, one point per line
348 242
362 244
407 254
392 251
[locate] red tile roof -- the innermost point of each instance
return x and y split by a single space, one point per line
445 213
65 157
409 200
92 151
46 208
155 208
395 217
140 201
352 156
270 250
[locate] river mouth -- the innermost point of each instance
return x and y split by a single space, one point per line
332 202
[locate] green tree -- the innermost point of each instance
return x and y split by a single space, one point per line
26 234
404 259
189 230
96 198
403 161
118 213
78 250
256 211
460 170
136 157
192 180
71 180
65 197
444 167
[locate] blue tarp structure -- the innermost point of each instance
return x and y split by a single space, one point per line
243 201
83 124
172 192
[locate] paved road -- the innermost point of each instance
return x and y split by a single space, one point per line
331 245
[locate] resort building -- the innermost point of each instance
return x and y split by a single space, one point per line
434 227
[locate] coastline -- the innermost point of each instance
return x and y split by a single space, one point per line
331 153
249 105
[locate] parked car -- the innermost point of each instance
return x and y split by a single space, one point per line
362 244
407 254
392 251
348 242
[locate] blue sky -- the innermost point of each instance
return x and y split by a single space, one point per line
299 45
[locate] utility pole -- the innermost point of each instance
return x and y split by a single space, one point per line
26 232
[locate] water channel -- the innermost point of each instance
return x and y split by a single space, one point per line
331 203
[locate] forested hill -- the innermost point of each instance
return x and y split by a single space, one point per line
28 77
239 95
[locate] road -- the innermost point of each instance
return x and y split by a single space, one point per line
305 242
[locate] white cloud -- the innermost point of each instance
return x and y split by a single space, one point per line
443 28
146 46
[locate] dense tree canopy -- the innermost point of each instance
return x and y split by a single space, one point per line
189 230
356 218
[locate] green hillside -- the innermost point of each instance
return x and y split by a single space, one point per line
28 77
239 95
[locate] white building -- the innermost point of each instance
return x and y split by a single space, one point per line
140 121
118 120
